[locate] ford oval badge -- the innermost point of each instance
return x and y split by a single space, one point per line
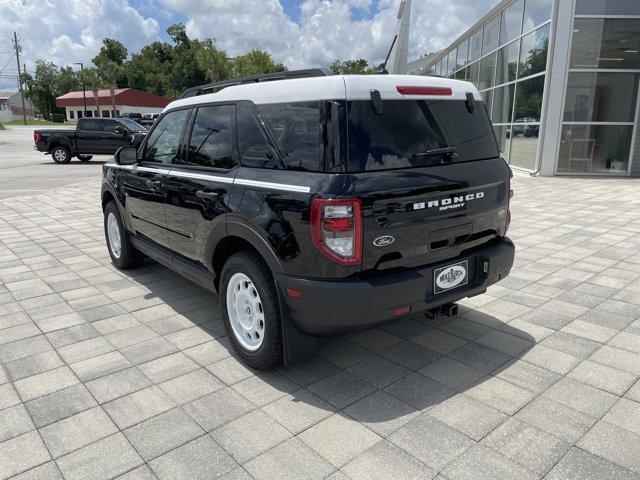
383 241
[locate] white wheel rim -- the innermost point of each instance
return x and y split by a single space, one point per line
113 233
60 155
246 314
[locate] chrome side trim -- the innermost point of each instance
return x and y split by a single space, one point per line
215 178
274 186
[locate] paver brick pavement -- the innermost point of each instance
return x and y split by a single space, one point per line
106 374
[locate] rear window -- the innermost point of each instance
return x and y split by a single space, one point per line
295 128
407 129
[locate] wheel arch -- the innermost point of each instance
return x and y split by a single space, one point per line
240 237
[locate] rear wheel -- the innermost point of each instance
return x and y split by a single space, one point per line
84 158
61 154
123 254
250 310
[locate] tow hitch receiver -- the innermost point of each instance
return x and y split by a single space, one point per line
447 310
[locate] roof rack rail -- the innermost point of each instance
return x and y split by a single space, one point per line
266 77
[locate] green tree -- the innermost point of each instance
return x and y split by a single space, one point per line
178 33
93 82
42 86
215 63
346 67
254 62
111 50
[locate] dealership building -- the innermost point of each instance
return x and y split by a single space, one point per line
560 82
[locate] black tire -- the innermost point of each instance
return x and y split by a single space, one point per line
84 158
269 354
61 154
128 256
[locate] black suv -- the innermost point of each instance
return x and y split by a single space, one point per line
317 206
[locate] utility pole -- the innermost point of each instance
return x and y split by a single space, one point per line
33 115
17 47
84 91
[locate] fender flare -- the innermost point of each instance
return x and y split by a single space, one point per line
257 241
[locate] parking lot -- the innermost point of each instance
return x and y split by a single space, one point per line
107 374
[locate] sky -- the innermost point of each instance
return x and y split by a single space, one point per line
299 33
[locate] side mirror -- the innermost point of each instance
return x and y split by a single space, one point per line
126 156
120 131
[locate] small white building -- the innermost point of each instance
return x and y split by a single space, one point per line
11 107
128 100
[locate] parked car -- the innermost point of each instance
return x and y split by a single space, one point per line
149 119
317 206
92 136
135 116
527 127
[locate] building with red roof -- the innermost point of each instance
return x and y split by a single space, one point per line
128 100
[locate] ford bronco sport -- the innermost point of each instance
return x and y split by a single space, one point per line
317 206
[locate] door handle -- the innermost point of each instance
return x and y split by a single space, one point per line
206 195
153 183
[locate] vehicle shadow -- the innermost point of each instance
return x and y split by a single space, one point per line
375 376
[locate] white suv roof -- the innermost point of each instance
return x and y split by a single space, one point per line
332 87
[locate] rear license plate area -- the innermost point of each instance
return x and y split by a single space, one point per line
451 276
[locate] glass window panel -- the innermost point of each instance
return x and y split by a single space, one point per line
595 148
533 52
211 143
491 33
475 46
511 22
472 73
507 63
487 71
502 104
164 140
535 13
488 98
601 97
524 148
529 99
504 140
461 74
452 61
295 127
463 50
606 43
439 68
608 7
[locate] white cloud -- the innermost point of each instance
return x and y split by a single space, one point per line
327 29
67 31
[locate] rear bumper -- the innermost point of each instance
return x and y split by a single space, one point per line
331 307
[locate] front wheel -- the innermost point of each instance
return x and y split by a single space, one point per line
61 154
84 158
123 254
250 310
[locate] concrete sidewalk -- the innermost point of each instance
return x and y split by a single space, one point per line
106 374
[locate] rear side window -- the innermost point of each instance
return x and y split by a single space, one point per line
211 143
295 128
255 150
407 130
91 125
163 143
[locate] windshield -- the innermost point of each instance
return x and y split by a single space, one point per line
132 125
417 133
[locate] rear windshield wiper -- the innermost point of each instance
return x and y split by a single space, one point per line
449 154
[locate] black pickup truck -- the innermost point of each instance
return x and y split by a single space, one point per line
92 136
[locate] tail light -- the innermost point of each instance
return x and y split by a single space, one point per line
37 137
336 229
